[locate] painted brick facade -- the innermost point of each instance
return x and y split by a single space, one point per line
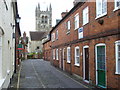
102 31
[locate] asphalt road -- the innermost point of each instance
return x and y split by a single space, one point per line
40 74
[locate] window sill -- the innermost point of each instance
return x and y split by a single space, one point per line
76 28
102 15
77 65
85 23
53 41
68 62
68 32
117 8
117 73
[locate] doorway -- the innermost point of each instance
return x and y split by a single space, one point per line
86 63
101 65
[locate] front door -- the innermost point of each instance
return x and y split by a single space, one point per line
100 66
61 53
63 58
60 58
86 63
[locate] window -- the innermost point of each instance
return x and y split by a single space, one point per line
5 4
77 56
56 34
68 26
101 8
56 54
53 37
50 22
53 53
46 19
76 20
117 46
85 16
42 19
117 4
68 54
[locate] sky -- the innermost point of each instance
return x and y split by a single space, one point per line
26 10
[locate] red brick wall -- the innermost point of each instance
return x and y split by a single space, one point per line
111 22
47 51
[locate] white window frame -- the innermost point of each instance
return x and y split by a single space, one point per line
115 5
68 55
53 37
53 53
56 34
76 21
85 15
57 54
117 56
99 9
68 25
77 64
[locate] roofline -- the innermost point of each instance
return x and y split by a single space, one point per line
15 10
72 10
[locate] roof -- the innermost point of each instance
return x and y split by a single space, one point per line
37 35
70 12
15 10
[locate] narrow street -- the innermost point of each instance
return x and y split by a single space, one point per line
40 74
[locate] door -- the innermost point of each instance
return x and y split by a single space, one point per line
63 59
101 67
61 54
60 59
86 63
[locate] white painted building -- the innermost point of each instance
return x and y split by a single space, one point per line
7 42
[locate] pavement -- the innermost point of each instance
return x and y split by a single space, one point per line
37 73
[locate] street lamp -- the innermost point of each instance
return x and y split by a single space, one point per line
18 18
17 21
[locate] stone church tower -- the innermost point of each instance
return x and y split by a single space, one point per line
43 19
43 23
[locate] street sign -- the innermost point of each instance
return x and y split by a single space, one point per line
80 33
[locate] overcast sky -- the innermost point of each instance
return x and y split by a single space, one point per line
26 9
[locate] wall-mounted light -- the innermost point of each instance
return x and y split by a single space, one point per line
17 20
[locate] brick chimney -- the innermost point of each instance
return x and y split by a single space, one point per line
77 1
64 13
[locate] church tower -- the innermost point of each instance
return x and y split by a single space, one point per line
43 18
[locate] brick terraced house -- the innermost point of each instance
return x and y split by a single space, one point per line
47 50
86 42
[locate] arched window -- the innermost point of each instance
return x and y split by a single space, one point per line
42 19
46 19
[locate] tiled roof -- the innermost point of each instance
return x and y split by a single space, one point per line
37 35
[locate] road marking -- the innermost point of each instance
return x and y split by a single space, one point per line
72 79
39 79
18 83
